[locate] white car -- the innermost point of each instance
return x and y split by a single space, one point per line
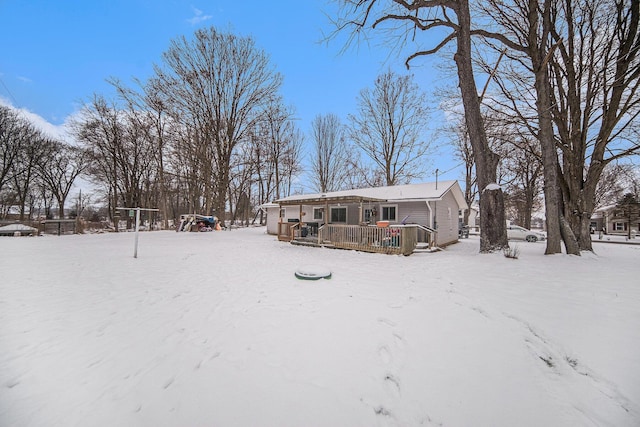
515 232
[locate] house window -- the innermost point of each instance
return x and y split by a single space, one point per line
619 226
389 213
317 213
339 215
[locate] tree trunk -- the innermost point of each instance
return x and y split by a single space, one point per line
222 182
569 238
550 162
493 231
537 53
61 208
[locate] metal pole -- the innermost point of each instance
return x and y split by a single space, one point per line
137 229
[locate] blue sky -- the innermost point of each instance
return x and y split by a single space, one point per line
56 54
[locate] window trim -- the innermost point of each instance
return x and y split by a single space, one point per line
316 211
622 224
346 214
382 210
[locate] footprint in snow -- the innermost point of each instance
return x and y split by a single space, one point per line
392 382
386 321
385 354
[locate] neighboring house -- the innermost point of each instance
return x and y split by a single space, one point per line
612 220
433 205
474 217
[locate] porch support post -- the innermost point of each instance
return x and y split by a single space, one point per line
360 214
326 212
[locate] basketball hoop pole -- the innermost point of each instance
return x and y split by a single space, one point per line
135 247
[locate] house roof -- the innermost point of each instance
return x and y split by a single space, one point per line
607 208
428 191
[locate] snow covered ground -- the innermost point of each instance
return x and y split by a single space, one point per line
214 329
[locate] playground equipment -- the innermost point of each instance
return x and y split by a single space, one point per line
195 222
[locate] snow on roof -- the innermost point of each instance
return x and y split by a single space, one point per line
605 208
424 191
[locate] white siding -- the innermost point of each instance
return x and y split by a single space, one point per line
418 213
291 212
447 219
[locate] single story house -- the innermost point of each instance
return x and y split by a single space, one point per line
434 206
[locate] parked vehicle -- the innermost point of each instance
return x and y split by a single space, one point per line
515 232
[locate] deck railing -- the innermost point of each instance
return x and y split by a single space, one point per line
426 235
287 231
398 239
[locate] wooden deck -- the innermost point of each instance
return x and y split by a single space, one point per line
387 240
394 239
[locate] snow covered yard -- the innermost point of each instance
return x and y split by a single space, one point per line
213 329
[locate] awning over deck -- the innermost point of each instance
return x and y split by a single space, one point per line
318 201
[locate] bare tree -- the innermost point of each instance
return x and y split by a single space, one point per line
452 20
389 127
154 119
218 83
459 139
63 166
22 147
122 157
280 141
331 154
291 162
596 82
240 184
616 180
100 130
362 174
12 137
584 59
524 166
33 150
262 166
